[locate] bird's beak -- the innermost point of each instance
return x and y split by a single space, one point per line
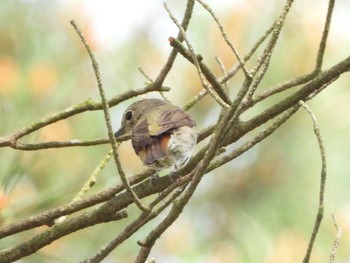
119 133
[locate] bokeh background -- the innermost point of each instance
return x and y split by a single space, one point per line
259 208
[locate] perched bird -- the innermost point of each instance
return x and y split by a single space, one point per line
161 133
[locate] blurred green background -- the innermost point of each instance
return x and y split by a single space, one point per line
259 208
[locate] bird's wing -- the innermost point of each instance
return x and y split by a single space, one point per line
151 135
171 118
149 148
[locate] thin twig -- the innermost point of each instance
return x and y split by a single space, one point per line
142 71
323 42
150 80
55 232
172 56
219 95
237 66
49 216
231 73
89 183
274 37
56 144
322 185
259 76
221 65
147 244
248 145
189 104
282 87
220 100
226 38
88 105
108 119
126 233
303 93
336 241
306 77
223 71
126 183
104 213
92 179
264 60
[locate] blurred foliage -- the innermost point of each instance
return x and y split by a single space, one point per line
259 208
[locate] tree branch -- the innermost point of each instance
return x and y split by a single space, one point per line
105 108
58 230
336 241
322 184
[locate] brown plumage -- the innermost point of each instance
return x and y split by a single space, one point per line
153 123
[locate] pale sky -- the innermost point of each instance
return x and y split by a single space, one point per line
106 16
114 21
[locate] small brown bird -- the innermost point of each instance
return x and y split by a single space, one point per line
161 133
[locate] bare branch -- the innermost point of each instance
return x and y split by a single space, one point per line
168 65
323 42
223 71
237 66
92 179
108 120
307 77
222 100
126 183
47 217
126 233
317 83
149 79
56 231
195 99
146 246
281 87
56 144
322 185
232 71
88 105
251 143
104 213
129 230
264 60
226 38
336 241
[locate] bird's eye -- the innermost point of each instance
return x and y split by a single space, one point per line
128 116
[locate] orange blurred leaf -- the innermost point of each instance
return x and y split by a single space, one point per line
42 78
9 76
